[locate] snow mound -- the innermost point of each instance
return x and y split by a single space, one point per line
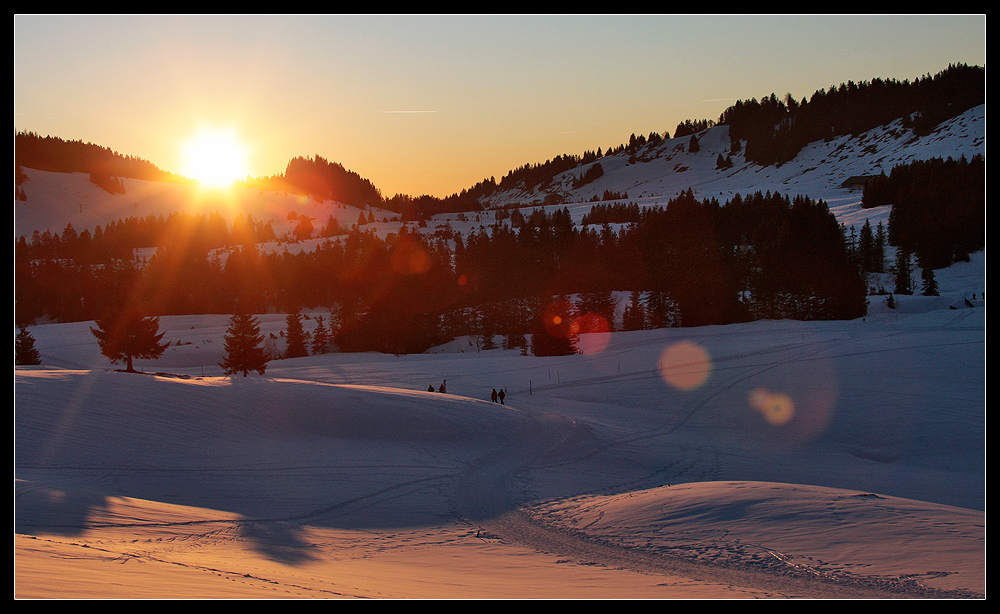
792 527
162 410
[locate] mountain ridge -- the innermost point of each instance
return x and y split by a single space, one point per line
660 171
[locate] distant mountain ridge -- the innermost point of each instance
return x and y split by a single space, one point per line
714 160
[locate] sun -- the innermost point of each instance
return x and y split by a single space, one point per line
215 158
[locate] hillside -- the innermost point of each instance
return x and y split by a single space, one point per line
340 476
773 458
663 170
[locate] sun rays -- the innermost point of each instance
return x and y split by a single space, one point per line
215 157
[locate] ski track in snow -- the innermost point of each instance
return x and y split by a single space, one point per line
494 492
505 493
485 491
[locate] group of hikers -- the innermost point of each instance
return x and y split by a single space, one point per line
495 396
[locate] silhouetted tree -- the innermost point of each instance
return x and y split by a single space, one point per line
634 316
552 330
602 304
320 337
243 344
295 336
904 280
125 334
930 287
25 352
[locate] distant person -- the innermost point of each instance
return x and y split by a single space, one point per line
494 395
430 388
501 395
444 384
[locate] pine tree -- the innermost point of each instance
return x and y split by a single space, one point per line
320 337
244 352
125 334
634 316
904 280
24 349
552 332
880 242
867 254
930 287
602 304
660 309
295 336
488 341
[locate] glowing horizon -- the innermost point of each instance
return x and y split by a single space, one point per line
433 104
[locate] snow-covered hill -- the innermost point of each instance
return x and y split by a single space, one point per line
660 172
664 170
812 459
771 459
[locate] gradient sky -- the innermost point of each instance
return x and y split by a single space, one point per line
432 104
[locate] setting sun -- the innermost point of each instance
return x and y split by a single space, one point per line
215 158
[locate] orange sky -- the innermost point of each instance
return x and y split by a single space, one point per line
432 104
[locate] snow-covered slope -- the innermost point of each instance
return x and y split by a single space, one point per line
761 460
660 173
810 452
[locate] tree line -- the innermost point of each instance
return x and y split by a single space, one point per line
118 240
56 155
773 130
322 180
692 262
768 131
938 208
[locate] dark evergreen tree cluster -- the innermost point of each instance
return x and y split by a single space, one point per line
532 176
117 240
938 208
613 195
592 174
111 185
59 156
775 130
689 127
690 263
868 248
794 259
617 213
322 180
552 329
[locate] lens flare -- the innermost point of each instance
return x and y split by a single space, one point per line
776 407
795 398
593 331
410 258
557 318
685 365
